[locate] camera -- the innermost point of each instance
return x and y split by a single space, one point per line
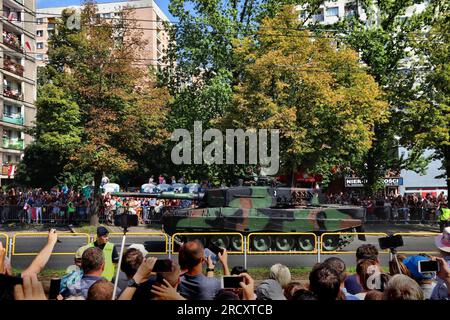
55 285
428 266
231 282
215 249
214 257
390 242
126 220
6 280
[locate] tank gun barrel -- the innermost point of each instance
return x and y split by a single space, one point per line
162 195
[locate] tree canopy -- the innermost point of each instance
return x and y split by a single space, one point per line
318 95
97 108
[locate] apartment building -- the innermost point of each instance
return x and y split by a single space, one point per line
332 11
147 13
18 72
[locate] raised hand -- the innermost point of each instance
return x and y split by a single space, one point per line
31 289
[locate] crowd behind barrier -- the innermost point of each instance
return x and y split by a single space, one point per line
65 208
192 275
392 208
62 205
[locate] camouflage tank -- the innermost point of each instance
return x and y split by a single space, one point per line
261 209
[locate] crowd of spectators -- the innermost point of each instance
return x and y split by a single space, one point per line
194 277
394 207
35 205
65 205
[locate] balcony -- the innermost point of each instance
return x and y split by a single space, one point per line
13 118
17 4
12 41
13 67
16 95
13 144
12 17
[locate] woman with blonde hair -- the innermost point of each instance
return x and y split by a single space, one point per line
402 287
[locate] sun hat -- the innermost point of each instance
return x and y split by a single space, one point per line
442 241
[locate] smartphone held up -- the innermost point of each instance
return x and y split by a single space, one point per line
428 266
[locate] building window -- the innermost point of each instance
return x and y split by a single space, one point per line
350 9
40 57
318 15
333 12
40 33
40 20
39 45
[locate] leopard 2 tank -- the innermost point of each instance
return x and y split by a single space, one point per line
260 210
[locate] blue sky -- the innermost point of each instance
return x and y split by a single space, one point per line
163 4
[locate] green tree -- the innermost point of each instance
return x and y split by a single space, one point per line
57 133
203 69
319 96
427 120
383 35
121 111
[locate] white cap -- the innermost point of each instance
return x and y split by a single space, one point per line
139 247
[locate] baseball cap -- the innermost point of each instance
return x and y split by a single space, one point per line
412 263
102 231
442 241
79 252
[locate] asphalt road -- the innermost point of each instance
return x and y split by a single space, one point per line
26 248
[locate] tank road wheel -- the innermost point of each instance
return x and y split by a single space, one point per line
284 243
305 243
261 243
345 240
331 243
222 241
236 243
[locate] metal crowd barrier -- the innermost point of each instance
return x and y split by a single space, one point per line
16 213
4 238
406 235
354 234
207 235
170 243
290 239
45 236
144 236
